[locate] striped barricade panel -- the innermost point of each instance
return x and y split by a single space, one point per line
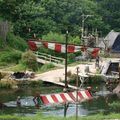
66 97
58 47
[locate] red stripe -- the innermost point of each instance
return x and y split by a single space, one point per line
95 52
32 45
54 98
45 100
63 97
71 95
80 95
45 44
70 48
58 47
88 93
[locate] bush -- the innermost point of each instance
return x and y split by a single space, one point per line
16 42
115 106
54 37
12 56
71 57
36 83
46 67
1 43
75 40
29 60
61 38
96 79
5 85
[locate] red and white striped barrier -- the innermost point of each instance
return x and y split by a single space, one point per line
69 97
34 45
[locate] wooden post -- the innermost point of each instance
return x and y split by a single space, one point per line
66 84
77 94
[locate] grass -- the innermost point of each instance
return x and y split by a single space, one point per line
79 62
18 67
41 117
10 55
5 85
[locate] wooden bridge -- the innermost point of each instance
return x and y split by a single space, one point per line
46 58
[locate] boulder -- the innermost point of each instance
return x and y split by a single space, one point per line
117 89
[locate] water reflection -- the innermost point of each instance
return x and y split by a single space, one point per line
98 104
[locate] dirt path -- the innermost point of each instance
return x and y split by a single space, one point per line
59 74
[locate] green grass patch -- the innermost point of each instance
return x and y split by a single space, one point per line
46 67
16 42
36 83
15 68
115 106
6 85
41 117
10 56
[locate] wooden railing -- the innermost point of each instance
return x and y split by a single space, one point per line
50 58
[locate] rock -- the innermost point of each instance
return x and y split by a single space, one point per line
117 89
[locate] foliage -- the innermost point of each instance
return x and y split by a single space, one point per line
36 83
54 37
5 85
1 43
41 117
51 15
16 42
29 60
109 10
96 79
115 106
10 56
18 67
46 67
71 57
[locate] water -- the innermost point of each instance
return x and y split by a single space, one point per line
98 104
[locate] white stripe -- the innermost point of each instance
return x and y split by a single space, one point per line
38 44
77 48
59 98
74 94
90 49
50 99
63 48
51 46
68 97
84 95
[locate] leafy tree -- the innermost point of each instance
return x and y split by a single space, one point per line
109 10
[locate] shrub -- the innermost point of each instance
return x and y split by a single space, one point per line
46 67
12 56
96 79
7 85
115 106
36 83
1 43
54 37
16 42
29 60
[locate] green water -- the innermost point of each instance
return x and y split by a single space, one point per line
8 97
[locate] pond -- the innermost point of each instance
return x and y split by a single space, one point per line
99 104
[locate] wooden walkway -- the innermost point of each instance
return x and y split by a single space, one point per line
61 84
46 58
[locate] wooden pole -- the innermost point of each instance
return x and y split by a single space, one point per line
66 84
77 94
